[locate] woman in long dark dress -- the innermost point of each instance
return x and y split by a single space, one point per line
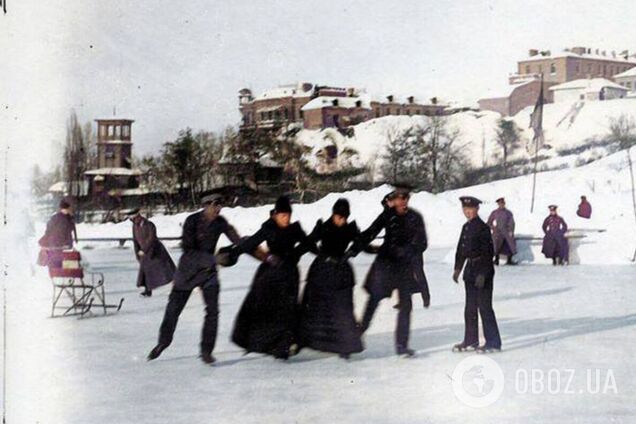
267 319
327 322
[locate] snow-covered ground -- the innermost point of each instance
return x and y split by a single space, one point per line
566 125
605 182
558 325
564 329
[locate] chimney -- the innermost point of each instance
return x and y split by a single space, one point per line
390 98
411 99
596 51
604 53
579 50
434 100
358 103
533 52
613 53
334 102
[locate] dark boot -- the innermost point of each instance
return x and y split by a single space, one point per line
463 347
496 261
207 358
156 351
404 351
146 293
511 261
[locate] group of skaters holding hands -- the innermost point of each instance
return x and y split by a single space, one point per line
273 321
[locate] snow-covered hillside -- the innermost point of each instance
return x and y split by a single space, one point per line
605 182
566 126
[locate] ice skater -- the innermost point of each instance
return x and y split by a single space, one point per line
555 245
502 224
327 321
197 268
475 251
267 320
399 264
156 267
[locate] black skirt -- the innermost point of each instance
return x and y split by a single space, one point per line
267 319
327 322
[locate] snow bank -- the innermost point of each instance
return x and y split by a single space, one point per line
566 125
605 183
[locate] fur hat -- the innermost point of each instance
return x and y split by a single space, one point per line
341 207
283 205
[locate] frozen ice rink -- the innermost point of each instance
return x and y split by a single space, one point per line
559 326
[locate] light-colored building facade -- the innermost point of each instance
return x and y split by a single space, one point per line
594 89
627 79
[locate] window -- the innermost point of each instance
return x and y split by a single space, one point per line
578 68
111 130
527 69
125 131
269 115
301 114
103 130
117 131
262 116
109 151
553 68
286 114
628 84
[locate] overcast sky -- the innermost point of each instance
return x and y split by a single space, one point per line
174 64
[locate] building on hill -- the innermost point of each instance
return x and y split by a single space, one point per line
326 106
515 97
627 79
572 64
588 89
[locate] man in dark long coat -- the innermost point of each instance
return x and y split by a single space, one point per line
475 250
555 245
59 235
502 225
197 268
156 267
399 264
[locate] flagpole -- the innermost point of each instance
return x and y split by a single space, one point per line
536 122
534 176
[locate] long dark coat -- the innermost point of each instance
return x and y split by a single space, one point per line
502 224
475 249
156 267
554 242
327 322
266 322
197 265
60 232
399 263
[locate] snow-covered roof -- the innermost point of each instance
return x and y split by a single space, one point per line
592 84
617 58
629 73
118 141
506 91
344 102
114 171
291 90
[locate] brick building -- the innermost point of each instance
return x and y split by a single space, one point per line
574 63
571 64
322 107
114 175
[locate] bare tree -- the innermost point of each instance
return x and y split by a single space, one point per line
508 137
442 162
623 132
399 164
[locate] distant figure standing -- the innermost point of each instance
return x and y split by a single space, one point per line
156 267
59 235
474 256
585 208
502 226
555 245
